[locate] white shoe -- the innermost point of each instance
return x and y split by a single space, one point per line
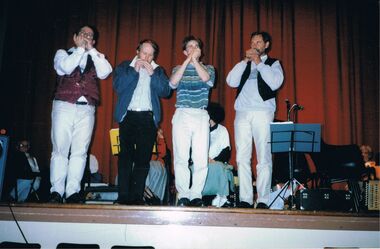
219 201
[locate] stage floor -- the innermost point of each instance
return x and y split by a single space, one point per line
167 227
205 216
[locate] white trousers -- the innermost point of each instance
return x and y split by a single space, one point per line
191 129
71 133
256 125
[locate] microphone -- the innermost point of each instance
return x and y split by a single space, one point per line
287 104
294 108
299 107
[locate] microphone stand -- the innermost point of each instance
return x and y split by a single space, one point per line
292 183
287 109
294 109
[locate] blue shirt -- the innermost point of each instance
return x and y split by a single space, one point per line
192 92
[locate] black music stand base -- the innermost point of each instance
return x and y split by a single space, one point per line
293 183
291 138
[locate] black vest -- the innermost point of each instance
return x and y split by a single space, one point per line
264 90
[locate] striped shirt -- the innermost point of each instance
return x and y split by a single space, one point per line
192 92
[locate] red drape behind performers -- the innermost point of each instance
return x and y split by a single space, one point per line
328 50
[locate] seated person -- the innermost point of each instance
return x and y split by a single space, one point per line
372 171
219 177
156 181
26 170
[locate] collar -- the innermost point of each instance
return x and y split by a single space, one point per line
153 63
214 127
264 57
72 50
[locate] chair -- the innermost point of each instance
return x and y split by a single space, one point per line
33 195
132 247
340 163
74 245
8 244
29 187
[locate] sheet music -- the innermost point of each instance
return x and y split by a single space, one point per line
284 122
287 136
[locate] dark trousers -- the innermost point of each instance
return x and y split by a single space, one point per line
137 136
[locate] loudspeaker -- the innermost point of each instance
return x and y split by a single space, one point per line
324 199
4 144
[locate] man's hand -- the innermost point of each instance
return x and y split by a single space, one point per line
79 41
144 64
138 65
89 43
148 67
253 54
195 55
256 56
188 59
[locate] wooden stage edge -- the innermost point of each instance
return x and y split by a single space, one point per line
206 216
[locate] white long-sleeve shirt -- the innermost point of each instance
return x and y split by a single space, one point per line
219 140
249 98
65 63
32 162
141 98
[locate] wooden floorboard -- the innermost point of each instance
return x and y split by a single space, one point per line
207 216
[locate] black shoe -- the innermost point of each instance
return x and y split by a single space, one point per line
137 202
121 202
227 204
244 204
55 197
11 199
197 202
153 201
74 198
262 205
183 202
122 199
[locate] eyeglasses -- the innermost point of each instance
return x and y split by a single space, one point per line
192 46
24 145
86 35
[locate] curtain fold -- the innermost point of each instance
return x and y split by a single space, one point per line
328 50
313 40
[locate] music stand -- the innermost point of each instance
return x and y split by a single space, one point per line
290 137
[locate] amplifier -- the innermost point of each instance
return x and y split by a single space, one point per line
100 194
324 199
372 195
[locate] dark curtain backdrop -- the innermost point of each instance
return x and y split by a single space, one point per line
328 49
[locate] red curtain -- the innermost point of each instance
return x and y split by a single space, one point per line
328 50
321 44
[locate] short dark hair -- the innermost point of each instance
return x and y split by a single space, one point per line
216 112
266 37
20 143
94 30
192 38
152 43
